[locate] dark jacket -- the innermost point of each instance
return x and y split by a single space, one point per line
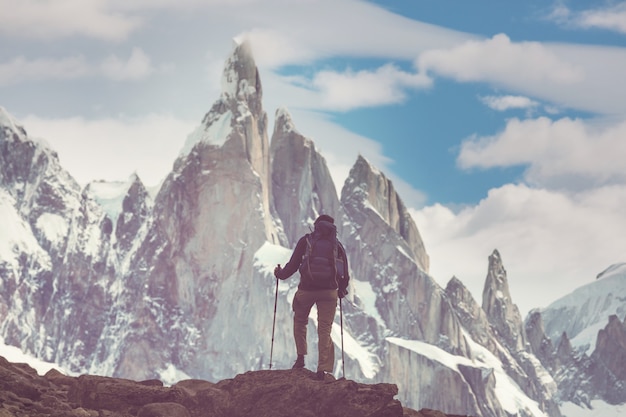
296 260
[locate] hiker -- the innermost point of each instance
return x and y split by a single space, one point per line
323 265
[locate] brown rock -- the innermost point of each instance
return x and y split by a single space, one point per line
163 410
278 393
297 393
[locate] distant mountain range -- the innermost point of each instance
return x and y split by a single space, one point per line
107 279
584 312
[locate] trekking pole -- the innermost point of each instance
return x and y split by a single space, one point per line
274 323
343 362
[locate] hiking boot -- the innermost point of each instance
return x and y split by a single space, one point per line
299 363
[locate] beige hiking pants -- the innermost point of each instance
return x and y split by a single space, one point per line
326 301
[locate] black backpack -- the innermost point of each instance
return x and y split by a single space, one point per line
322 265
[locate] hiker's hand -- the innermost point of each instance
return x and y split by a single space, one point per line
342 292
277 270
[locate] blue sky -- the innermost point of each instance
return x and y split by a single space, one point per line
501 124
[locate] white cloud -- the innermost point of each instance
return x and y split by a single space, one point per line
88 149
136 67
548 240
611 17
502 103
21 70
498 60
583 77
108 20
349 90
274 48
569 154
330 28
45 19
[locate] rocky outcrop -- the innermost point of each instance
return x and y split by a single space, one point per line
502 313
564 350
518 361
409 301
278 393
301 182
540 344
61 258
581 377
471 315
609 357
136 207
374 194
421 376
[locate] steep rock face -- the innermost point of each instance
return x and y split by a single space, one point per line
181 273
540 343
521 366
564 350
135 212
503 315
409 301
583 378
610 358
471 315
62 258
301 182
478 382
541 362
378 198
420 378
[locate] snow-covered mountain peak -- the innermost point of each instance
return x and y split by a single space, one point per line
369 190
12 130
8 122
16 237
584 311
364 183
240 77
284 121
110 194
240 101
497 303
496 284
214 130
302 185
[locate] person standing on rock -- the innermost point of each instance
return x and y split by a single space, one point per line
323 265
